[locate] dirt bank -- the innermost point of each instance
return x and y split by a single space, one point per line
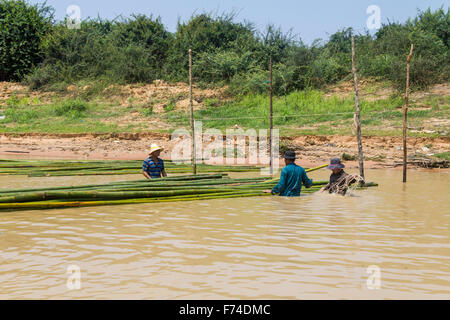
379 152
157 95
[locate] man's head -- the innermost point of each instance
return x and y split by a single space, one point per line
289 157
156 153
335 165
155 150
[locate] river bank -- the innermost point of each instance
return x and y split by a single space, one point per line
121 122
379 152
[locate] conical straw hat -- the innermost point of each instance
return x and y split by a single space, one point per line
155 147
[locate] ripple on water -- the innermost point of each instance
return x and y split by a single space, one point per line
317 246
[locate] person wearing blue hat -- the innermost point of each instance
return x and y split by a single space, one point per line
339 179
291 179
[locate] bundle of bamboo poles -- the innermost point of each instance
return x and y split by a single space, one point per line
49 168
180 188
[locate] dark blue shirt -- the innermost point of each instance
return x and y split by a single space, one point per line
154 169
292 177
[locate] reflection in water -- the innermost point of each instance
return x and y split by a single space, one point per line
316 246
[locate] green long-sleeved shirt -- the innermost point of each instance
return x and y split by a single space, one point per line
291 180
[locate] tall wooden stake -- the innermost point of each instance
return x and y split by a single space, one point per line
194 151
358 112
271 117
405 114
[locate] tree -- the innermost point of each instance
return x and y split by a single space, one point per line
22 27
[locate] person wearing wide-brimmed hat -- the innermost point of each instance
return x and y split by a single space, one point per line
153 166
291 179
339 179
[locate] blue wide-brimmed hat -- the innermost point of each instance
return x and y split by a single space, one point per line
289 155
335 164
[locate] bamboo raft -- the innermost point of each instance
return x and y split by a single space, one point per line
50 168
171 189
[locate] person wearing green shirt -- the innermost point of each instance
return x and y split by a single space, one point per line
292 178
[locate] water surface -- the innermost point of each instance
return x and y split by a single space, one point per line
316 246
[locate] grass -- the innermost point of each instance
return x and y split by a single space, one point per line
146 111
443 155
298 108
437 102
299 113
309 112
68 116
75 108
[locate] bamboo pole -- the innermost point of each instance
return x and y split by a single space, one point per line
271 116
66 204
405 114
106 168
358 112
194 151
182 188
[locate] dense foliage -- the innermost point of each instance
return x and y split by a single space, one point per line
44 53
22 27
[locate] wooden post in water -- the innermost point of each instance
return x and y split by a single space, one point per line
358 112
194 153
271 117
405 114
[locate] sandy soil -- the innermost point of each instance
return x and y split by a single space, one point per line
159 93
371 90
156 95
312 150
379 152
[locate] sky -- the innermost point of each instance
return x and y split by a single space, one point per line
309 19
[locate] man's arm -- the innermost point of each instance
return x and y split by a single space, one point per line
279 188
163 171
144 170
307 182
326 187
146 175
354 180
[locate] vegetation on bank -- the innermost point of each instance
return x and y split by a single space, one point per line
443 156
311 112
102 55
300 112
47 54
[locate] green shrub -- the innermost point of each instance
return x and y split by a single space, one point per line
222 66
328 70
437 23
147 111
133 50
12 101
212 103
206 33
249 83
20 115
378 66
22 27
428 64
134 65
72 55
72 108
443 155
144 44
169 107
139 49
44 76
348 157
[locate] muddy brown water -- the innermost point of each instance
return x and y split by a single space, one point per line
388 242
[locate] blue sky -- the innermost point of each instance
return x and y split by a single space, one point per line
310 19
